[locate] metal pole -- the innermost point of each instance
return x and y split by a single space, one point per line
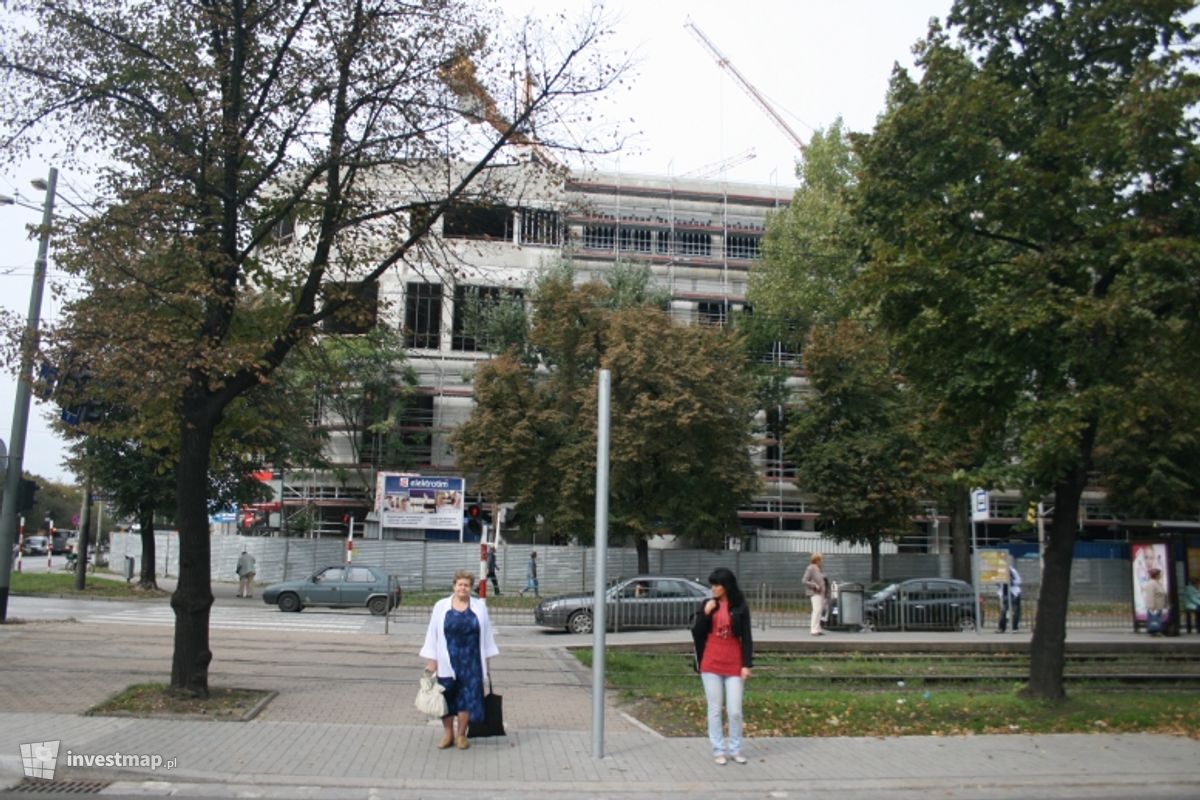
599 623
975 579
20 420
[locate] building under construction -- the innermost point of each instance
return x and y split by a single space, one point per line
698 237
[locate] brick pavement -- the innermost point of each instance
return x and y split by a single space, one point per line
343 725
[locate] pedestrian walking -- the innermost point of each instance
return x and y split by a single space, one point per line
724 657
1009 594
245 573
531 580
491 569
815 588
459 646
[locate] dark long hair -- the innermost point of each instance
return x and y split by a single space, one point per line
725 578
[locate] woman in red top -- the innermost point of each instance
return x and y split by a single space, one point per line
724 656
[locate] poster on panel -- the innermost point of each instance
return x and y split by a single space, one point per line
993 566
1147 556
419 501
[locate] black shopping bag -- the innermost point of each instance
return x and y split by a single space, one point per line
493 718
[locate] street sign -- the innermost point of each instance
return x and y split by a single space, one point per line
979 505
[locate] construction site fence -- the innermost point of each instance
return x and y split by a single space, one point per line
1100 591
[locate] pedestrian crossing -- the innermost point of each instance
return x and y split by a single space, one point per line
235 619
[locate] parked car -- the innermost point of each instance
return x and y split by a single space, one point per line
643 601
36 545
920 604
345 586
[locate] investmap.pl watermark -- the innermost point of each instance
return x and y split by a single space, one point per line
40 759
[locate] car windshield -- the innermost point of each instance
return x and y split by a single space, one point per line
879 591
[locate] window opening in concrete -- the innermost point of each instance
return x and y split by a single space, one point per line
541 227
685 243
599 237
361 311
470 304
637 240
284 230
743 247
478 221
712 313
423 315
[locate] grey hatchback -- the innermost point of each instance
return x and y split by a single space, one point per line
344 586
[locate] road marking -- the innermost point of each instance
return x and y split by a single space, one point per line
230 619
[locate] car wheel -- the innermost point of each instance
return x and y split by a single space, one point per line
966 624
378 606
580 622
289 602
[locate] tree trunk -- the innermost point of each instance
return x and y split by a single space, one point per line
1047 650
960 536
148 579
875 560
643 554
193 597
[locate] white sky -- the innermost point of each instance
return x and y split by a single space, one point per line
812 59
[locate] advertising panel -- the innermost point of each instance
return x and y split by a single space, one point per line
993 567
1147 556
418 501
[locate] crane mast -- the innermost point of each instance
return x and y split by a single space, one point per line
724 63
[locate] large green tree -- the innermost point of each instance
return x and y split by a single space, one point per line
1032 206
853 433
681 410
858 452
252 149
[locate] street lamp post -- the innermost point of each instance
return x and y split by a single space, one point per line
20 419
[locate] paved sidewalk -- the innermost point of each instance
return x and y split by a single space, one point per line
343 725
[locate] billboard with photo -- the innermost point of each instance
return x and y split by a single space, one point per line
1147 556
419 501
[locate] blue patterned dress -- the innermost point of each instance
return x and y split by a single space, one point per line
465 691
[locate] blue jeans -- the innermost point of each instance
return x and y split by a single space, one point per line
716 689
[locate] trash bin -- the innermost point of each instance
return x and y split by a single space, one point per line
850 605
129 568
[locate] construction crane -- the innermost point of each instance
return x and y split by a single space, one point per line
718 167
724 63
477 105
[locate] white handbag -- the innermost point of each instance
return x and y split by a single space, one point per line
429 696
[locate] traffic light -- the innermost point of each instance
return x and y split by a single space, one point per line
25 495
475 520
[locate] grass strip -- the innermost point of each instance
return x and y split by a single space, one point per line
63 583
672 702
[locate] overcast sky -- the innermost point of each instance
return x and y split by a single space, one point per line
812 59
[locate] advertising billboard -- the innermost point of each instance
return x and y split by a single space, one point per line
1147 556
419 501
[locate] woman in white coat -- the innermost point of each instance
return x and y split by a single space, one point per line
458 647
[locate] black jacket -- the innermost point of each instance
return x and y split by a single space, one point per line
739 619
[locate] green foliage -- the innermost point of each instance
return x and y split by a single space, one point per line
855 437
366 387
810 252
680 415
1033 227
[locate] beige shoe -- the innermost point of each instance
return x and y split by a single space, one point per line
447 740
461 743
